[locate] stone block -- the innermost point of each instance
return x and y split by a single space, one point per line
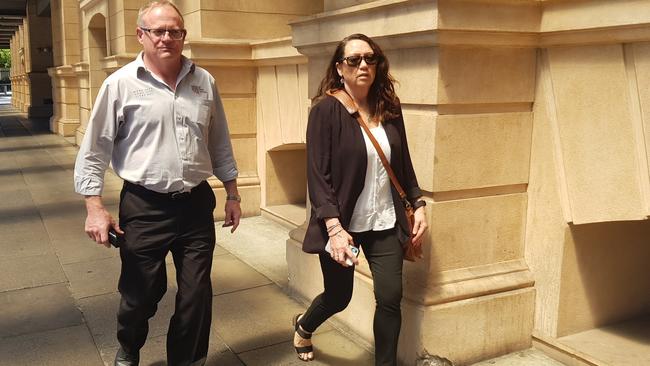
489 75
128 44
475 232
420 131
287 7
592 99
384 19
123 23
340 4
416 70
240 113
234 80
470 330
71 31
481 150
472 15
641 55
245 150
563 16
69 112
226 24
84 98
545 223
97 77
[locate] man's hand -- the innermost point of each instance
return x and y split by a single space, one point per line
233 214
99 221
233 208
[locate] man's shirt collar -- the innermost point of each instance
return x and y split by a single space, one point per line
187 65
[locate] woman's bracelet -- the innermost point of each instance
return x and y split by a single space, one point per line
333 235
329 229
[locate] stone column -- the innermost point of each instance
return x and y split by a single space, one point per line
81 74
66 52
66 100
467 75
38 57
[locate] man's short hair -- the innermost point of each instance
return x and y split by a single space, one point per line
157 4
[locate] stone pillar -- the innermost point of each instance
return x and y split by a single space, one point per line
66 100
66 52
81 74
38 57
467 78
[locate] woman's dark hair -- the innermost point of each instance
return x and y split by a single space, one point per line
381 97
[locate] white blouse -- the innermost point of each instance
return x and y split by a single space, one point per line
374 209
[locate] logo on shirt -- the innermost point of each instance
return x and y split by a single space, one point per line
197 89
141 93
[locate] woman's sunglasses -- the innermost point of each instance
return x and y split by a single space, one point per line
355 60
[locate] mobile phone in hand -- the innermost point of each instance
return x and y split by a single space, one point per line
115 239
353 249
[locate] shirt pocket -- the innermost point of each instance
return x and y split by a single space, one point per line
203 112
199 119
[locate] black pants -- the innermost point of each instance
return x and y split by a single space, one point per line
384 254
155 224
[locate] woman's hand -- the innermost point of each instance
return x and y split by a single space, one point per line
420 225
340 245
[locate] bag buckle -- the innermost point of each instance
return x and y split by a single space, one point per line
406 203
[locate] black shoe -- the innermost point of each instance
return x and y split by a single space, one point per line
304 335
124 359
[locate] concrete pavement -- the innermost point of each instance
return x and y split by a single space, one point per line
58 290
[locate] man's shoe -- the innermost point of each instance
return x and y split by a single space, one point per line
124 359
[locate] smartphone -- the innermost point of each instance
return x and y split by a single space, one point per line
348 260
115 239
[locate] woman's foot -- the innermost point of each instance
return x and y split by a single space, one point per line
302 341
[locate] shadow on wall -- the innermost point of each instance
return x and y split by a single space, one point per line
605 275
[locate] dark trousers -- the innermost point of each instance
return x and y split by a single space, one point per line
384 254
155 224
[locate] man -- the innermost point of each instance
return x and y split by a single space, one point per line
160 122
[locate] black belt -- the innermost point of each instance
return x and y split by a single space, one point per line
176 195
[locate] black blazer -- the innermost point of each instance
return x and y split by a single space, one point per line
336 169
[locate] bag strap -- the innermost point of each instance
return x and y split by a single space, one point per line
342 96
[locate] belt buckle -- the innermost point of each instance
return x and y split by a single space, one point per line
179 194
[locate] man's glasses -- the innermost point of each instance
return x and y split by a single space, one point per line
355 60
175 34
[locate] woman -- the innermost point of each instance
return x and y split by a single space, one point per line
352 200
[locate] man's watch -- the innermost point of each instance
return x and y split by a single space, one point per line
233 197
419 203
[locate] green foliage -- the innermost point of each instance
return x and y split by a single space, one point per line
5 58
